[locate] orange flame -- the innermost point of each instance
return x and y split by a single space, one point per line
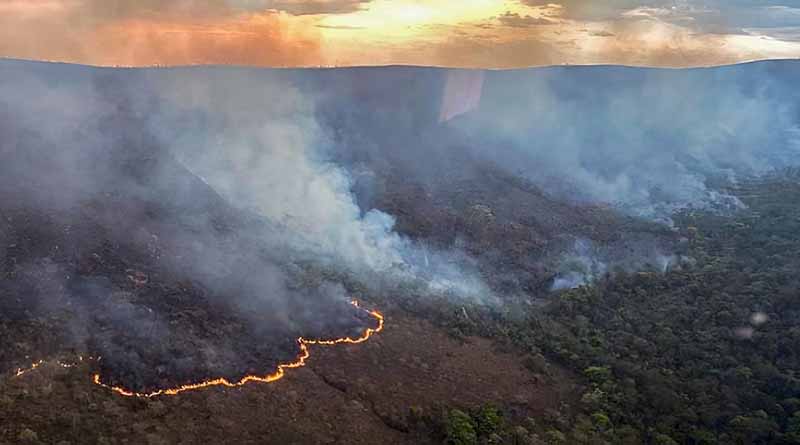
299 362
35 365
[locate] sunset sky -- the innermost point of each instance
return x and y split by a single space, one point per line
462 33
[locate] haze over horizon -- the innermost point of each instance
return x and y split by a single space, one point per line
468 33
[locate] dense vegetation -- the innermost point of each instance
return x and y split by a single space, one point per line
703 354
707 353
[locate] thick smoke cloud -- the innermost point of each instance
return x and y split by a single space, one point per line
99 227
597 140
257 142
189 211
647 141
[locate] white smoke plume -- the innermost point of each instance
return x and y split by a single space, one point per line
585 262
647 141
256 142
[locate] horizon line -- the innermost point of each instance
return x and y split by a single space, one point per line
390 65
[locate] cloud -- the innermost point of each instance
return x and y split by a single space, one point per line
144 33
349 27
788 34
31 7
707 16
522 21
127 9
601 33
530 50
592 10
648 43
510 33
305 7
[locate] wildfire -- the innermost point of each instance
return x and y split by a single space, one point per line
35 365
299 362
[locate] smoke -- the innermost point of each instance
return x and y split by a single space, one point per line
579 266
110 241
257 142
585 262
243 200
647 141
189 224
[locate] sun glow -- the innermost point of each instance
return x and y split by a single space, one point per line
393 15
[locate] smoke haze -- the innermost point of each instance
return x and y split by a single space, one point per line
647 141
263 197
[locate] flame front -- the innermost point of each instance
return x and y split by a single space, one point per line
33 366
299 362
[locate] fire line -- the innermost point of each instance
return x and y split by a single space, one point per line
299 362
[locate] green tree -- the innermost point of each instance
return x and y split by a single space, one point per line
488 421
460 429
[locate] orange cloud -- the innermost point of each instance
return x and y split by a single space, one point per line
261 40
131 34
464 33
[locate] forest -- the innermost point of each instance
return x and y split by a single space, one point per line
706 353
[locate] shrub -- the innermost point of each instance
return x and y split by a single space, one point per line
460 429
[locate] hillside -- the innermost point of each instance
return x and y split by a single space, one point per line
552 250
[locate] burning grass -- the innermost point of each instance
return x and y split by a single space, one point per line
278 374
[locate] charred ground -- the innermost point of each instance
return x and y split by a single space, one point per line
112 269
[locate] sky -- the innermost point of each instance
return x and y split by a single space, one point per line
453 33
